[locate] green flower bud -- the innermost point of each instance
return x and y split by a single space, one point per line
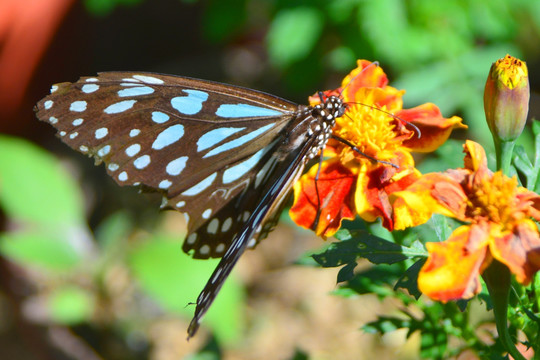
506 98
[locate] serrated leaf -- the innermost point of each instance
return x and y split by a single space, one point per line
372 248
346 273
35 188
377 280
409 280
293 34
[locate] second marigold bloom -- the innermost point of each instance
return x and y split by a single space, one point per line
498 216
506 98
375 122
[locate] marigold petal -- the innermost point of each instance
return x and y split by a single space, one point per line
332 194
375 186
519 250
431 193
453 268
366 74
475 157
434 128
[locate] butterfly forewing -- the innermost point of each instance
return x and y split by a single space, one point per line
193 140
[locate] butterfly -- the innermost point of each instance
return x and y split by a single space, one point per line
225 156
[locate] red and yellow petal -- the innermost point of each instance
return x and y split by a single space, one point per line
519 250
453 268
377 183
434 128
333 194
366 75
431 193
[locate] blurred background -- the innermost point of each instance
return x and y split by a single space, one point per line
89 270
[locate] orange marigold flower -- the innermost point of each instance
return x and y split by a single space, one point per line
375 123
497 213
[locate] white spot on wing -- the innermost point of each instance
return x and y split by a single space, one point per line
165 184
89 88
191 239
205 249
242 140
198 188
133 150
148 79
237 171
180 204
159 117
119 107
104 150
213 226
176 166
142 162
135 91
78 106
215 136
226 225
48 104
206 213
134 132
123 176
101 133
168 136
77 122
220 248
113 166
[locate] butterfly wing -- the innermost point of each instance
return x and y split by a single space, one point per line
290 159
198 142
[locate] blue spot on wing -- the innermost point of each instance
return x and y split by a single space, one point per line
245 110
215 136
239 141
191 104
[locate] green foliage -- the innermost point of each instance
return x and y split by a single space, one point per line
76 271
71 305
105 7
293 34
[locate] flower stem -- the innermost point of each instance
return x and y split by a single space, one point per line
504 151
497 278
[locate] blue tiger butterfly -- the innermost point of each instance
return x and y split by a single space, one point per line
224 155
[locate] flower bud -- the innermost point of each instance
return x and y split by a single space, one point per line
506 98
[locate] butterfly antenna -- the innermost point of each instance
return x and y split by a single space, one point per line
375 63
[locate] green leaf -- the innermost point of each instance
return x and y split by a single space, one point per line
174 280
386 324
293 34
71 305
35 188
39 249
378 280
409 280
222 19
374 249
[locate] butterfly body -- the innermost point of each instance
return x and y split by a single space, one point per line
224 155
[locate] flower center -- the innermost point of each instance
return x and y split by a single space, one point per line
370 130
494 199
